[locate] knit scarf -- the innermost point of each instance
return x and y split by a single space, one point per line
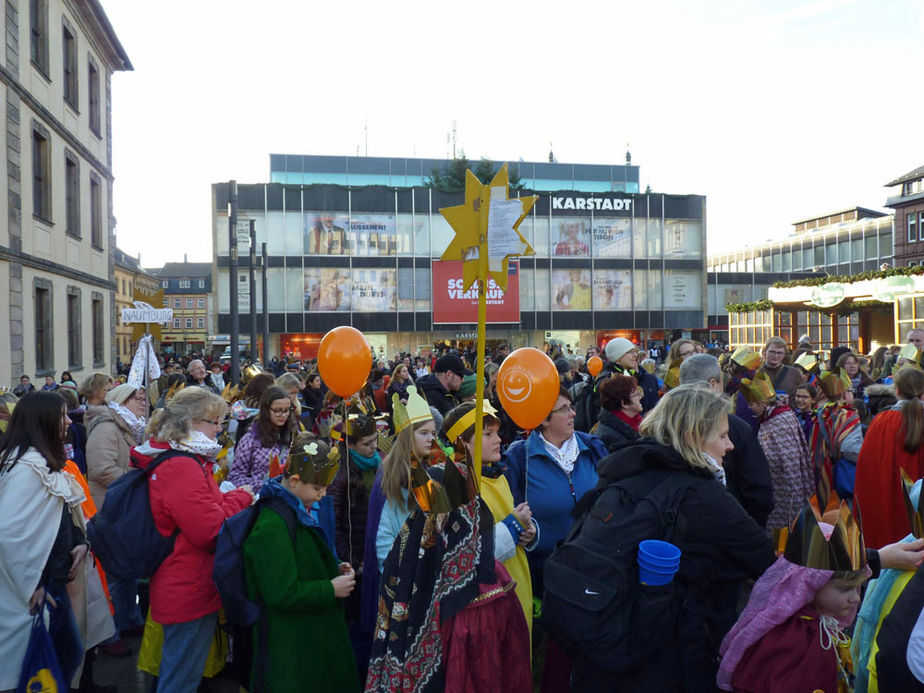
199 444
135 423
364 463
566 455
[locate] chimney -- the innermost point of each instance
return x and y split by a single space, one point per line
184 259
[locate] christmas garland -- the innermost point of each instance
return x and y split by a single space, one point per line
861 277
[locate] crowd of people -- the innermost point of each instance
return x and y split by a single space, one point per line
386 557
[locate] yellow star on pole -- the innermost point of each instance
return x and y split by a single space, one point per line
485 240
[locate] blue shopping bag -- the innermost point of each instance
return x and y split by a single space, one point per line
40 670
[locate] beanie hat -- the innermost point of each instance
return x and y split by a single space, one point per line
617 348
562 366
120 393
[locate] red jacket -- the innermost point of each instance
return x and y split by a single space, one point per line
184 495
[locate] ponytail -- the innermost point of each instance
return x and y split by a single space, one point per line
909 384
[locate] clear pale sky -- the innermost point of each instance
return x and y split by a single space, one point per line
773 110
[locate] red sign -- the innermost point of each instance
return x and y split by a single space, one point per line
452 305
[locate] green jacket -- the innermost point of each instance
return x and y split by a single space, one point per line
309 649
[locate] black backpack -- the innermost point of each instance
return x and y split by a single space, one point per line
593 604
122 534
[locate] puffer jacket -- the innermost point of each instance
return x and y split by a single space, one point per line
109 446
184 496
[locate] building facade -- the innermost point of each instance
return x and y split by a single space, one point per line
907 199
187 290
607 264
131 283
56 265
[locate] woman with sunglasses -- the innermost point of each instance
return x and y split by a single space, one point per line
268 438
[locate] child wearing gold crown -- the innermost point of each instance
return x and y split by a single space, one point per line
306 647
838 434
791 636
783 442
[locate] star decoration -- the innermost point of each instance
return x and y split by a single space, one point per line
311 449
474 220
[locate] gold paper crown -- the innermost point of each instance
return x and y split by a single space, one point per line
915 511
176 387
359 424
415 411
439 489
468 420
834 384
758 389
231 393
807 546
314 462
747 358
249 372
910 352
672 377
807 362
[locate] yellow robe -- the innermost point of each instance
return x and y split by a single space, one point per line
896 591
496 493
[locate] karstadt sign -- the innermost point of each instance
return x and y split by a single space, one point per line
593 203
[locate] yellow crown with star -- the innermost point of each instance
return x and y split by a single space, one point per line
807 362
758 389
313 460
833 385
415 411
843 550
747 358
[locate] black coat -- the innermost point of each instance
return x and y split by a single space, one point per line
613 431
721 548
747 472
436 395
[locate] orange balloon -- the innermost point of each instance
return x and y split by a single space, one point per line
594 365
527 385
344 360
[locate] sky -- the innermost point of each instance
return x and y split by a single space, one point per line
775 111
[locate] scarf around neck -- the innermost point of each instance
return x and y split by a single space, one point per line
135 423
199 444
364 463
566 455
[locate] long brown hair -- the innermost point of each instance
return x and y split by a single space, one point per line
268 434
36 422
909 384
396 468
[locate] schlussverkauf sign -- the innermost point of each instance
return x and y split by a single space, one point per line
145 312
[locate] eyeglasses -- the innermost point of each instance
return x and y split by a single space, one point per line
684 354
564 409
280 412
775 352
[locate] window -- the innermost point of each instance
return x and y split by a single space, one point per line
920 224
70 64
200 303
184 283
38 26
93 91
201 283
912 228
44 346
72 194
200 323
41 172
96 211
165 284
188 323
189 303
73 327
176 304
176 323
97 329
166 302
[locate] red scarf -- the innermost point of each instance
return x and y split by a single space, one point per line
632 421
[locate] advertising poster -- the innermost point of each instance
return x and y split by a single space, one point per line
682 290
374 290
612 238
571 236
612 290
331 233
571 289
327 289
452 305
682 238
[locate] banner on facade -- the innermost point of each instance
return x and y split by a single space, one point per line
330 233
145 312
452 305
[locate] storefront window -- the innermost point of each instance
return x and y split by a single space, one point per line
640 289
682 290
541 234
405 225
639 243
571 290
327 289
570 236
527 289
542 289
405 288
612 237
655 290
612 290
275 234
441 235
682 238
275 288
421 235
294 232
373 290
325 233
654 234
423 290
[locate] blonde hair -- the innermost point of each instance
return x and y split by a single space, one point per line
97 381
173 422
673 354
396 467
685 418
287 381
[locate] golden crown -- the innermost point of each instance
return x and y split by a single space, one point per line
314 462
747 358
758 389
359 424
915 511
468 420
834 384
807 545
415 411
441 488
909 352
808 362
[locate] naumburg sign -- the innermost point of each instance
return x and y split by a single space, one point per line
145 312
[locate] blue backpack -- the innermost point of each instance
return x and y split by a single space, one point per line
122 534
228 572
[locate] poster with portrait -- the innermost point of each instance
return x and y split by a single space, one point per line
571 236
327 289
571 289
612 290
374 290
612 237
337 233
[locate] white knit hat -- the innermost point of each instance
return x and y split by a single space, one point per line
120 393
617 348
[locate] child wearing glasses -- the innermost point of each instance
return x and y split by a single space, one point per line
261 451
